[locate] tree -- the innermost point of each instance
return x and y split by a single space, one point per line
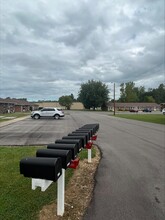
159 93
122 92
149 99
72 96
140 93
130 92
93 94
66 101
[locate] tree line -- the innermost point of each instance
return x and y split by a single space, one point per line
95 94
130 93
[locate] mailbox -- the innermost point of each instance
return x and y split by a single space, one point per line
85 130
79 133
41 168
96 126
89 128
73 147
93 126
65 155
82 137
70 141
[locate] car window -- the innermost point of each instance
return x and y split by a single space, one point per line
48 110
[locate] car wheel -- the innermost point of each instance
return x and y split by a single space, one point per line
56 117
36 116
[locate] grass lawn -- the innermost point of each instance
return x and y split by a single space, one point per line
6 117
154 118
17 199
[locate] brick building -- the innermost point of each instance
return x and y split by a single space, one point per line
16 105
127 106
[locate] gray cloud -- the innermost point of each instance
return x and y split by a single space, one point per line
48 48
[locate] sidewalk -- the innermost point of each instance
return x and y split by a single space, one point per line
8 121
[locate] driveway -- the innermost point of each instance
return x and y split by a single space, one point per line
131 175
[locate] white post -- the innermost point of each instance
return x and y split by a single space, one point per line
89 155
44 184
61 193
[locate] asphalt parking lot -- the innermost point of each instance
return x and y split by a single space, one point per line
130 178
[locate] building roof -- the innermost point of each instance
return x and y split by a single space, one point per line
15 101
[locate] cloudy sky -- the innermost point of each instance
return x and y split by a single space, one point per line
48 48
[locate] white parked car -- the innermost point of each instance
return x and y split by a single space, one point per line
163 111
47 112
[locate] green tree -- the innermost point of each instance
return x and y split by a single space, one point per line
66 101
159 93
149 99
93 94
140 93
72 96
122 92
130 92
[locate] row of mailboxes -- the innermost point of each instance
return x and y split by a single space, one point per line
62 154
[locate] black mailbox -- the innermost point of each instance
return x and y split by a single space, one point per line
65 155
79 133
41 168
81 139
73 147
95 127
70 141
85 130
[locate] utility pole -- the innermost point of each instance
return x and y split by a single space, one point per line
114 100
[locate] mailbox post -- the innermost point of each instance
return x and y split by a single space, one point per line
61 194
88 145
43 171
66 156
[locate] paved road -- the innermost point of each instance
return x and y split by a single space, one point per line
131 175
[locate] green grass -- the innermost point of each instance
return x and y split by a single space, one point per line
17 199
16 115
153 118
